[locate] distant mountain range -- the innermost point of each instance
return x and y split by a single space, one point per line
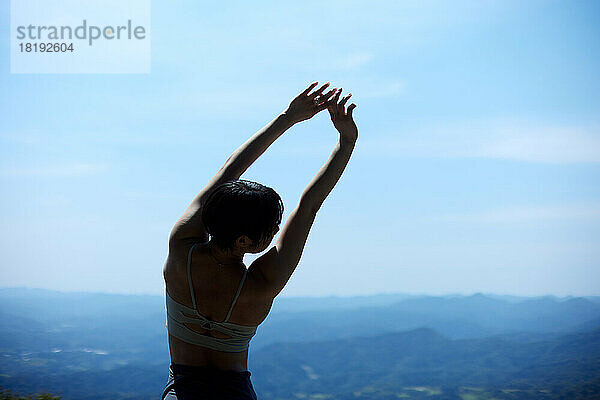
368 347
389 365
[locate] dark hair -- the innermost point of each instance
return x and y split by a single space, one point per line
240 207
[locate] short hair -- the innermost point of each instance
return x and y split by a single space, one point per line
241 207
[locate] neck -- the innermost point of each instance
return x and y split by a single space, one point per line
225 256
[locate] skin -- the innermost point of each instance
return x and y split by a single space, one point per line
214 284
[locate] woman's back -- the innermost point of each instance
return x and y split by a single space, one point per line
215 287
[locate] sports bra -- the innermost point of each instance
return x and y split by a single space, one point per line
178 314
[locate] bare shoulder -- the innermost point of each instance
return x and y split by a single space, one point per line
176 261
265 287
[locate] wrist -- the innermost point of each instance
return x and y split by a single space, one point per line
348 135
287 118
347 141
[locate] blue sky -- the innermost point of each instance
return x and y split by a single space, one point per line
476 170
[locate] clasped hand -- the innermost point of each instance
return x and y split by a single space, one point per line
306 105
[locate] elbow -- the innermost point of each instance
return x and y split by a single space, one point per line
309 206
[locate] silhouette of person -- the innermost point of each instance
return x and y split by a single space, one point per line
215 303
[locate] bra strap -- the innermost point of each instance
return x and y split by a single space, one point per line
237 294
189 274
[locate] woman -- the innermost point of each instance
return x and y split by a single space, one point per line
215 303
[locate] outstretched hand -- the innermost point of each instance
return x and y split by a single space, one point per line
305 105
341 118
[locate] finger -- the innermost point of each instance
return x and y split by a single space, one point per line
336 99
345 99
323 106
351 107
318 92
325 97
331 103
310 87
331 107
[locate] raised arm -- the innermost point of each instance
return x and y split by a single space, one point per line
277 265
302 107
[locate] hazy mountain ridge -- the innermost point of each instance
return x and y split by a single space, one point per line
382 350
424 358
392 363
92 316
456 317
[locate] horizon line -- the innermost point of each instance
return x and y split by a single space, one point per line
378 294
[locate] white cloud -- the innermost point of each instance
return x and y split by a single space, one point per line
544 144
526 214
520 141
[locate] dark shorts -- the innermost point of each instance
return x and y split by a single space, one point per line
194 383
